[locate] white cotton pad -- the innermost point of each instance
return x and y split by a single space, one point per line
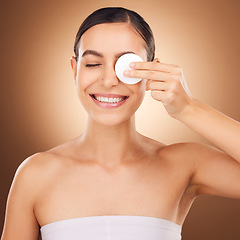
122 64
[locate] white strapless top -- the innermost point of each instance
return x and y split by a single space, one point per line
112 227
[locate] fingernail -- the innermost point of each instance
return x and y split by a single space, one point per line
132 65
126 72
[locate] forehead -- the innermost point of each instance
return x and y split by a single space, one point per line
111 38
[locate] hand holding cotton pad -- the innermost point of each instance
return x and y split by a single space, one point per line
122 64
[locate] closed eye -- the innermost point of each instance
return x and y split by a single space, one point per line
92 65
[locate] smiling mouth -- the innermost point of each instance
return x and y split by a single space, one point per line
113 98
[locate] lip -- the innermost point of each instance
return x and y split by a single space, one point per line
108 105
110 95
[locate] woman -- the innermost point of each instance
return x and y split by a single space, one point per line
111 182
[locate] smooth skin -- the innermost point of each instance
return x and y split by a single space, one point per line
111 169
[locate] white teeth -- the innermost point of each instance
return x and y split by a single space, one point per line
109 100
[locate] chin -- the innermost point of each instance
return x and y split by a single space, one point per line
111 119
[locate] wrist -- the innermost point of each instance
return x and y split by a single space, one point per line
189 110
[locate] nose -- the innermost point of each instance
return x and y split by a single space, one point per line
109 77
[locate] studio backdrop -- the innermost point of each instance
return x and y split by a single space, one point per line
39 103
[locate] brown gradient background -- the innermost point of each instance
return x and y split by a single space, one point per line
39 104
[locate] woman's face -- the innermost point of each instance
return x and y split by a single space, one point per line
101 46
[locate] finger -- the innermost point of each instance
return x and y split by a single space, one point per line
156 85
155 65
158 95
153 75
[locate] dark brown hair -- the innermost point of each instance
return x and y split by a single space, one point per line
114 15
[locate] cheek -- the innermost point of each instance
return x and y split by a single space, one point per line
138 91
86 78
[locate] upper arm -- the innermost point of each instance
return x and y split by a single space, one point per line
215 173
20 222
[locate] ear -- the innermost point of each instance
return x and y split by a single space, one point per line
74 66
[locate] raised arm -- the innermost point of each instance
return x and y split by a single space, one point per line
20 222
215 172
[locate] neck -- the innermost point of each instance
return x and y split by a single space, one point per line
111 145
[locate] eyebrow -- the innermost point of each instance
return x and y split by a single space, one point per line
98 54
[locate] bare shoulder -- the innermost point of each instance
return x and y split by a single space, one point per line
198 154
38 168
28 174
20 221
36 164
187 156
36 172
186 150
210 169
177 152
